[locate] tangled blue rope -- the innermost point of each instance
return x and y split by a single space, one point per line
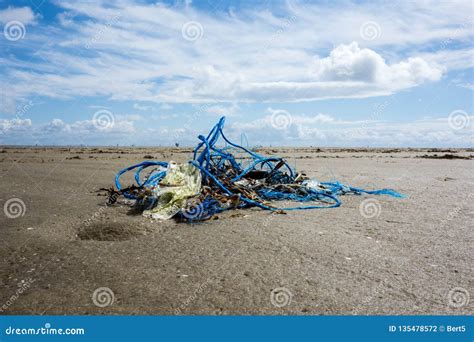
265 179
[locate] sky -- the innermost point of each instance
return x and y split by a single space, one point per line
284 73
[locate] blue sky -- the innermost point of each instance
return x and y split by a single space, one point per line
294 73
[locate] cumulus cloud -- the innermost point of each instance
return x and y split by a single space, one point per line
59 132
14 125
326 130
288 52
319 118
57 125
319 129
136 51
353 64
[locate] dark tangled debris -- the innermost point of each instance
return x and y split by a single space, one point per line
445 156
215 181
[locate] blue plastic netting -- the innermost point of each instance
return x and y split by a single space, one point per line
250 178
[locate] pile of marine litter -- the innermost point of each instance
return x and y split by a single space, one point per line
217 180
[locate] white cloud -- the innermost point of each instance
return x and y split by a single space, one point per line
298 119
14 125
57 125
353 64
326 130
129 117
451 59
222 110
58 132
22 14
248 56
140 107
166 106
303 130
467 85
169 116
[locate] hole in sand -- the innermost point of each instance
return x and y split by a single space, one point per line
108 231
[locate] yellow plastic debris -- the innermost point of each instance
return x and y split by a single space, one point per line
181 182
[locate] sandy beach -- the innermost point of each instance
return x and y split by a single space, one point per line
393 256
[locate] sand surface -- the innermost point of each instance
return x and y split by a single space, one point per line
404 260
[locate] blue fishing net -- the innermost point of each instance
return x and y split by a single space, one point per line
229 182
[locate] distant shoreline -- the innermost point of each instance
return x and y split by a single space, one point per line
294 148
